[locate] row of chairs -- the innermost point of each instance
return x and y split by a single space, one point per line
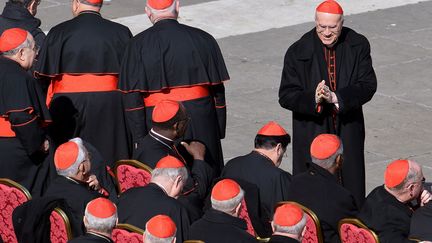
132 173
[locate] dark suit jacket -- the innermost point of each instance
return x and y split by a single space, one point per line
421 227
137 205
272 182
385 215
76 194
319 191
219 227
90 237
282 239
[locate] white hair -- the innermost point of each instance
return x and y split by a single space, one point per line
330 161
149 238
104 225
295 229
82 154
171 173
227 206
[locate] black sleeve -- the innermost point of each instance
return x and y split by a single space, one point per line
361 91
135 115
27 130
292 94
218 93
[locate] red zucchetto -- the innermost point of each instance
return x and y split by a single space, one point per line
396 172
12 38
324 146
272 129
330 6
165 110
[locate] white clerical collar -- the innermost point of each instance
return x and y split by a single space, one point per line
161 135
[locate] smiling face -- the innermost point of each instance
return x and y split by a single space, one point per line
328 27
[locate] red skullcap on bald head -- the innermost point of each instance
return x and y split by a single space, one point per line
287 215
225 189
66 155
159 4
95 1
272 129
12 38
101 208
330 6
396 172
161 226
165 110
324 146
169 162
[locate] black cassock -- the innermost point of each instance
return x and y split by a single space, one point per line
165 58
154 147
304 67
90 237
138 205
81 57
319 191
272 182
282 239
76 195
219 227
23 115
420 223
386 216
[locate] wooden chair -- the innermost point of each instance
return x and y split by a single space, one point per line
126 233
313 227
131 173
61 230
353 230
12 195
263 240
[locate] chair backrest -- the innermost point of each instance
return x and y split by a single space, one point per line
313 232
12 195
243 214
131 173
61 230
353 230
126 233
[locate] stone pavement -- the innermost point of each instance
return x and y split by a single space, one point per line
398 117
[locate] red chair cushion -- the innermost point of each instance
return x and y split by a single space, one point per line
129 177
58 232
10 198
243 214
310 235
353 234
124 236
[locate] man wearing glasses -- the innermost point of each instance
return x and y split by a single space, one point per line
327 77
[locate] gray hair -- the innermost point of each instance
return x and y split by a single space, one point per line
171 173
295 229
26 44
149 238
82 155
104 225
227 206
329 162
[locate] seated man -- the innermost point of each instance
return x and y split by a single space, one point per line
319 188
288 224
221 224
169 124
75 183
388 208
100 218
421 227
160 229
137 205
260 167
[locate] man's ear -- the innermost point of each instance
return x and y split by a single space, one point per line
177 6
147 11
